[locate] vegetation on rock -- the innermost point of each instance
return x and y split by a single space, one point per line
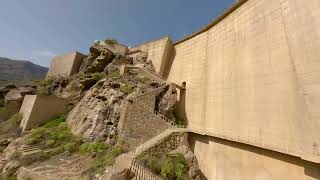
97 76
111 41
56 135
2 109
1 102
12 124
126 88
169 166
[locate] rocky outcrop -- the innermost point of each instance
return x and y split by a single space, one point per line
97 114
13 98
166 102
101 55
194 171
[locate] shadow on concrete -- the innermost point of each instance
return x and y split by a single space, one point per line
168 66
310 169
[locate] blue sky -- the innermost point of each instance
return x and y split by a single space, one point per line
37 30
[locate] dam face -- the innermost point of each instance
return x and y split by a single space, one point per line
252 90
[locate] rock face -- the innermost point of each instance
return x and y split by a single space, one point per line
97 114
167 102
101 55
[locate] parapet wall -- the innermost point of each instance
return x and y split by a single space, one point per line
65 65
253 76
158 51
37 110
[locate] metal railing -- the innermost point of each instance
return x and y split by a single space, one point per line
142 173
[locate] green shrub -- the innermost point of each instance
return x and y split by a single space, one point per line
111 41
174 167
1 102
12 124
169 166
79 76
104 154
115 74
70 147
26 178
15 120
47 81
54 134
94 148
126 89
153 163
97 76
2 109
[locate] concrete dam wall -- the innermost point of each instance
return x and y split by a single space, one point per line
253 77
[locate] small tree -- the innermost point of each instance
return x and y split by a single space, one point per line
111 41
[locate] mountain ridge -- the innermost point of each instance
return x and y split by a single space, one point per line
20 71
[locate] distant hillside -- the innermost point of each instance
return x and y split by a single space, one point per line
14 71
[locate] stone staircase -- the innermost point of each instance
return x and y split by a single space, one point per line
157 139
156 90
142 173
26 150
158 114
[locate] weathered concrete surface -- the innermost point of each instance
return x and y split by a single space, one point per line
253 77
158 51
226 160
37 109
65 65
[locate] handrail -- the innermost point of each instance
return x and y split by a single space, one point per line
147 92
157 113
142 173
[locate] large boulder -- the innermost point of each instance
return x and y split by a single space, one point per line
4 90
97 114
13 95
116 48
87 61
12 101
167 102
98 59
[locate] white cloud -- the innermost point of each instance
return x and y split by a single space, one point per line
42 57
44 53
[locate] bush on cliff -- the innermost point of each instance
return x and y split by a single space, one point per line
54 134
169 166
12 124
104 155
97 76
1 102
126 88
111 41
